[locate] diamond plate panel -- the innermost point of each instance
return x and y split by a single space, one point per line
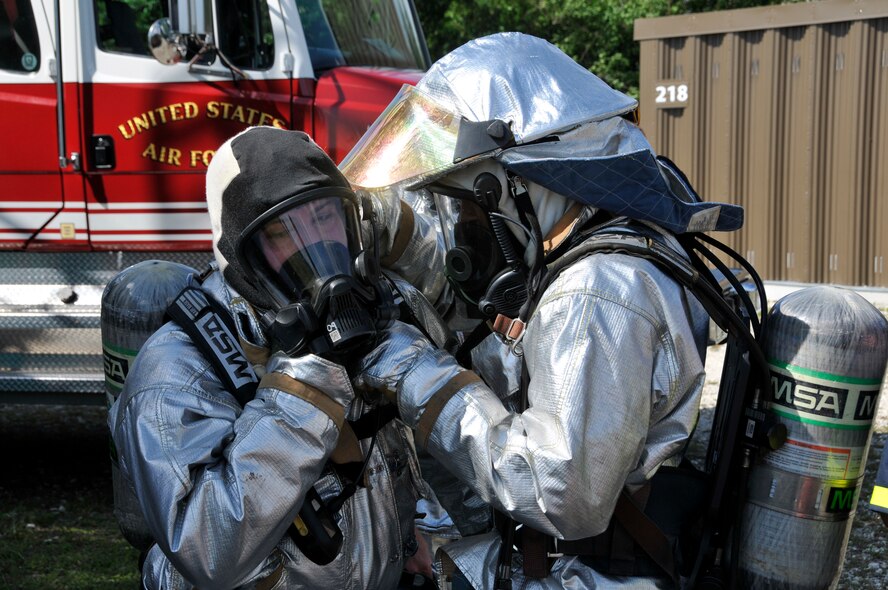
50 312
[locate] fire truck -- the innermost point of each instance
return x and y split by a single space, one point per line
110 111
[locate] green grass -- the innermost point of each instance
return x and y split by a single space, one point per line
77 547
57 528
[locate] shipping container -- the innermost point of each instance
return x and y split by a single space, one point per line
781 109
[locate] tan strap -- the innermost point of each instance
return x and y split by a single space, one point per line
402 236
255 354
512 329
315 397
645 532
437 402
562 228
347 447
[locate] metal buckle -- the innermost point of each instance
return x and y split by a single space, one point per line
514 342
511 332
555 554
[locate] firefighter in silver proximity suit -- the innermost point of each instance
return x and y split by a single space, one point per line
522 150
219 483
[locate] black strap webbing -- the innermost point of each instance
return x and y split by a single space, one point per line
463 354
646 534
373 420
211 329
692 274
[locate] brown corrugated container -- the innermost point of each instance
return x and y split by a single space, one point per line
784 110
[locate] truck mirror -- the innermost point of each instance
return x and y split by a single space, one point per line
166 46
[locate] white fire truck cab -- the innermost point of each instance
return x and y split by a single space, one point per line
105 148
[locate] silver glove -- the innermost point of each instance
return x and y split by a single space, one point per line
408 369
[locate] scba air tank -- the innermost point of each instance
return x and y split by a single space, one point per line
134 304
827 349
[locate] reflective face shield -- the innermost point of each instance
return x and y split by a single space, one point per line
299 245
413 139
416 140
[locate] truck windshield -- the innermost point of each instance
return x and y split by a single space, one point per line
362 33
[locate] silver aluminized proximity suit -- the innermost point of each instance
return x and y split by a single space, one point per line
615 358
220 484
614 348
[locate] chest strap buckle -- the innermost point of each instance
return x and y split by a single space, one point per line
512 330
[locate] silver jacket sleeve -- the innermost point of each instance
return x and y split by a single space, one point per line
614 352
412 246
219 484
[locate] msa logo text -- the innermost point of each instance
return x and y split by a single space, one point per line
817 399
116 367
222 341
866 405
840 499
808 397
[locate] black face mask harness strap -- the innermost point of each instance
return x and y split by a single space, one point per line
528 217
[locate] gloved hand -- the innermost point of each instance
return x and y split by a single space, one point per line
325 385
383 369
409 370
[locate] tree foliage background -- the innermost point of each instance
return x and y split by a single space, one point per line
595 33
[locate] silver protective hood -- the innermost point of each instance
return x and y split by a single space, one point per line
415 139
521 100
480 80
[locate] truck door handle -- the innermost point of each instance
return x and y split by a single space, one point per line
102 152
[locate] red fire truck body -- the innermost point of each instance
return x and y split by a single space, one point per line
104 151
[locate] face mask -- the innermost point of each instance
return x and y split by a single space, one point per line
473 258
306 253
481 260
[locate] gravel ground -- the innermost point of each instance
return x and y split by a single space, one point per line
56 453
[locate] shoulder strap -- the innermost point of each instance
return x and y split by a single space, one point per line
211 328
645 245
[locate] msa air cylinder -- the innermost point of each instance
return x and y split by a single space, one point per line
133 307
827 349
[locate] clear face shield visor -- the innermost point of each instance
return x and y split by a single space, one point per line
302 243
414 139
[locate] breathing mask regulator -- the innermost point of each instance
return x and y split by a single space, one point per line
306 253
330 300
482 261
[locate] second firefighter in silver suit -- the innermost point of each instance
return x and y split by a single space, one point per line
614 349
